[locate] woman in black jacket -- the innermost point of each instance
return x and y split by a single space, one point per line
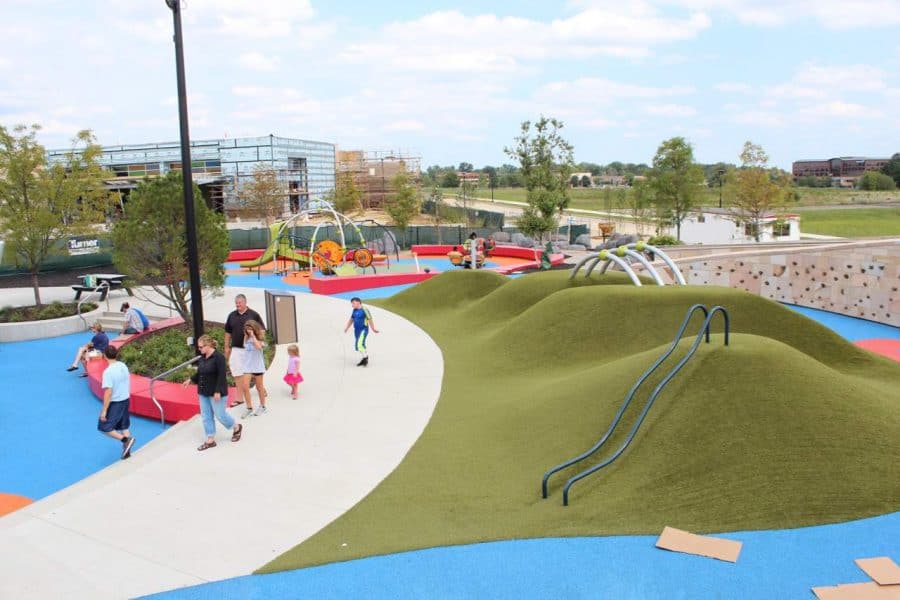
213 391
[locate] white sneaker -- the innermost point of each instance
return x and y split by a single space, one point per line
260 411
248 412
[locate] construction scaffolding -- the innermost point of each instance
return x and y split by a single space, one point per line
373 172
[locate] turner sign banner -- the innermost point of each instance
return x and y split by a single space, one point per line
83 245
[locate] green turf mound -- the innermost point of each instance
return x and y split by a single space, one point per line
788 426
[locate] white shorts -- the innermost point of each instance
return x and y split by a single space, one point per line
236 362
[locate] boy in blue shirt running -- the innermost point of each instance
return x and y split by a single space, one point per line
361 319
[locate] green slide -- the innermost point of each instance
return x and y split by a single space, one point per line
279 247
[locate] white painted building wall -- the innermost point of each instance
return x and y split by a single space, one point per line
720 227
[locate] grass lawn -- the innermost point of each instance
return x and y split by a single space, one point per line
604 198
788 426
856 222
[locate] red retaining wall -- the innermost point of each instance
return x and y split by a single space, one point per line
337 284
179 403
239 255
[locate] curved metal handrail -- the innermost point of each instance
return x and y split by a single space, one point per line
651 399
162 416
615 422
96 290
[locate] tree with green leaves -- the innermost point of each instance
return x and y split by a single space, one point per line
405 202
347 196
754 190
546 160
449 179
41 204
437 199
264 195
675 180
892 168
149 242
637 202
876 180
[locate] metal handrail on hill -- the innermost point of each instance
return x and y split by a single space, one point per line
96 290
704 332
162 416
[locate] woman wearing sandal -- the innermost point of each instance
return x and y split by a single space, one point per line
212 389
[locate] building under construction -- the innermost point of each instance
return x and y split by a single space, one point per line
373 172
221 167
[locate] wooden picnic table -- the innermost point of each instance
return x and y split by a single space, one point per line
104 282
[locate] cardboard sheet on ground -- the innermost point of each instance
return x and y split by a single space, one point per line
701 545
882 570
858 591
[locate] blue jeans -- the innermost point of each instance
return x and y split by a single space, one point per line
208 407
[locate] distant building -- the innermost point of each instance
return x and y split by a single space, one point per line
721 226
611 180
578 179
220 167
843 171
468 177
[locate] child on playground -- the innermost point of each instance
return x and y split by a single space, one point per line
362 321
293 376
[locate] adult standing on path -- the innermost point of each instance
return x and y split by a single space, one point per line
234 348
212 389
114 416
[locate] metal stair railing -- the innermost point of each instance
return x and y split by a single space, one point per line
162 416
651 399
96 290
593 449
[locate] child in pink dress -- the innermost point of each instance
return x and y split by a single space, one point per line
293 376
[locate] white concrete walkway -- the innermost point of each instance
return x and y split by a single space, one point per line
171 516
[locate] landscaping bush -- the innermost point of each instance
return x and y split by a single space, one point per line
55 310
664 240
159 351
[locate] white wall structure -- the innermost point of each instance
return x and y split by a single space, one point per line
720 226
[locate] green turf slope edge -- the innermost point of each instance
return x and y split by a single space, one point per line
788 426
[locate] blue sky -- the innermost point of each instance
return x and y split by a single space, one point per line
451 82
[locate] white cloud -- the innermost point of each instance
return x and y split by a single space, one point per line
839 110
832 14
405 125
732 88
240 18
670 110
450 41
257 61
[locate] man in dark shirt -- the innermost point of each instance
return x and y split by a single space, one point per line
96 347
234 348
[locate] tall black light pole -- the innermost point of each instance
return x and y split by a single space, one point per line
721 173
189 220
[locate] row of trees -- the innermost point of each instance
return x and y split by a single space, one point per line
671 189
43 204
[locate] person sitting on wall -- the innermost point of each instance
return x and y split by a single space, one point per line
488 246
455 256
96 347
134 319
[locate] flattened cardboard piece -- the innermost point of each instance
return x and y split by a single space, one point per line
882 570
858 591
701 545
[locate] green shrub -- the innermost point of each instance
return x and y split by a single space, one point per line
664 240
160 351
55 310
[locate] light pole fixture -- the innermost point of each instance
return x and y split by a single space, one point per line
721 173
187 179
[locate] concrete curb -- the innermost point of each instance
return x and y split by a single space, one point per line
35 330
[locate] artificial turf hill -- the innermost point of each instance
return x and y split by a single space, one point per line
788 426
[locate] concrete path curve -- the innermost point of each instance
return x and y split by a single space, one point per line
171 516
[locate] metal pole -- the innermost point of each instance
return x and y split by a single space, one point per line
189 220
721 173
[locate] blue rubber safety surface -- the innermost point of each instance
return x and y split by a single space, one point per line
48 417
850 328
771 565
